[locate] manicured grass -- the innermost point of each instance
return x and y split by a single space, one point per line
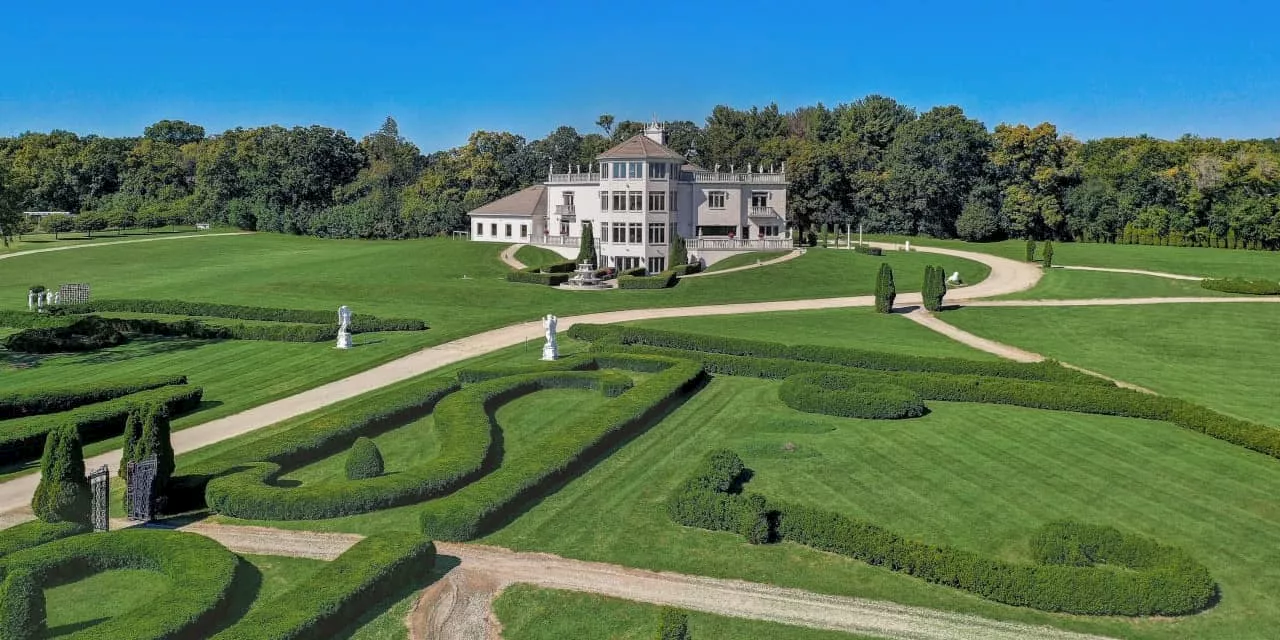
1224 356
860 328
745 259
980 477
530 613
533 256
47 240
1067 284
279 574
81 604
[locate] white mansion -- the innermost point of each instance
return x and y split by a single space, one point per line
642 194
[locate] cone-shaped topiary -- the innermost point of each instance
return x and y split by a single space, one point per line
1048 253
679 252
934 288
673 624
155 441
364 460
132 433
885 291
587 245
1031 250
63 493
22 606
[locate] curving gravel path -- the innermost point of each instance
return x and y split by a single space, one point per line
508 256
1141 272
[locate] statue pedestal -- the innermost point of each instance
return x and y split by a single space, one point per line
549 351
344 340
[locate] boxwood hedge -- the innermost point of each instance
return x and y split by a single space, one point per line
1242 285
360 323
23 438
202 572
479 506
662 280
834 394
35 533
465 431
18 404
29 320
550 275
857 358
1157 580
325 604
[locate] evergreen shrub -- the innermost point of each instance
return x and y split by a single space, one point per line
53 399
835 394
360 323
364 461
885 291
63 492
1257 287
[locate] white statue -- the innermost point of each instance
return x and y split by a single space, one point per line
955 278
550 350
57 297
908 245
40 297
31 301
344 327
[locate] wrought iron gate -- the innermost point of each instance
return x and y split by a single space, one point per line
100 490
142 476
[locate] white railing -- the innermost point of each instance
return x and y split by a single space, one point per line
762 212
721 177
573 177
555 241
565 211
727 244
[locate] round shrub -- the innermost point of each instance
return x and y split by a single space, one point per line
835 394
364 461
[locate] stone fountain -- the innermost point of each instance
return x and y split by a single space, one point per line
585 279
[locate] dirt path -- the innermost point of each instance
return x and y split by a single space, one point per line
27 252
1141 272
508 256
458 606
764 263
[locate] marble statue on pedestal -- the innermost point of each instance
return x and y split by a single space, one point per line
550 350
344 327
31 301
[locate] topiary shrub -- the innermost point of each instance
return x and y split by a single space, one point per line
364 461
132 434
934 287
835 394
1030 255
868 250
22 607
679 252
1048 254
673 624
155 441
63 492
885 291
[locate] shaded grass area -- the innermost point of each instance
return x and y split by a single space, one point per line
860 328
530 613
979 477
745 259
1225 356
1066 284
533 256
31 241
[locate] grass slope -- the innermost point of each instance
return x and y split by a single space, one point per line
533 256
745 259
48 241
980 477
1224 356
530 613
1066 284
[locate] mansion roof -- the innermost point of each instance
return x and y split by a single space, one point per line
528 201
640 146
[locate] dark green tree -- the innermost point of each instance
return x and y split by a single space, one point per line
885 291
1048 254
155 441
679 252
673 624
934 287
59 223
364 460
587 245
63 493
1030 251
132 434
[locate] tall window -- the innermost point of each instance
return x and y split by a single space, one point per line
604 200
673 201
479 229
657 265
715 199
493 230
619 200
657 170
524 231
635 169
604 231
507 229
619 233
604 170
657 233
619 170
657 200
568 198
635 233
636 201
759 199
770 231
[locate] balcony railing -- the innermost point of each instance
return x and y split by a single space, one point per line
573 177
762 212
722 177
734 244
565 211
555 241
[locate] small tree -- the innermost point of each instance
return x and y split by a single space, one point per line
91 221
679 252
587 246
364 460
1048 253
885 291
935 287
63 493
59 223
155 441
1031 250
132 434
673 624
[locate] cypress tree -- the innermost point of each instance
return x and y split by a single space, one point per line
679 253
63 493
935 287
1031 250
885 291
155 441
587 246
132 433
1048 253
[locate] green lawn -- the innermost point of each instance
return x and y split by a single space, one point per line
530 613
744 259
1225 356
1066 284
533 256
47 240
980 477
860 328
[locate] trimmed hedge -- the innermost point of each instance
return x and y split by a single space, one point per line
29 320
466 434
364 460
857 358
23 438
552 275
53 399
35 533
663 280
637 272
360 323
93 332
685 269
868 250
1242 285
834 394
201 570
89 333
1160 580
480 506
325 604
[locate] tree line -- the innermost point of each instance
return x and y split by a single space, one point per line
873 162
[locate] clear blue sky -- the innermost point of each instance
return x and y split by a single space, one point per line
445 68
